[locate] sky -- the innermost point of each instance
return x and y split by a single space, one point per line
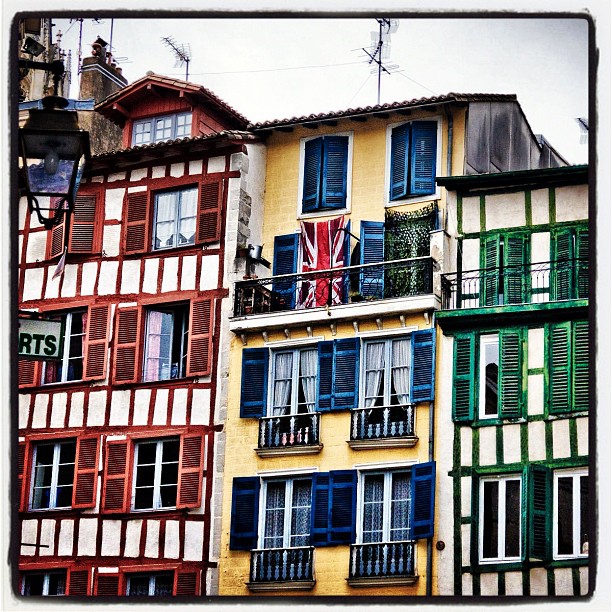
279 68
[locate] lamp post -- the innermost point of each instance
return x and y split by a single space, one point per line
53 152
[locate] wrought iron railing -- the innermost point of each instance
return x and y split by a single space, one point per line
389 279
382 560
282 565
382 422
525 284
289 430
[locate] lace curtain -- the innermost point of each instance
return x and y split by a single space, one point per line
401 370
308 373
375 367
275 515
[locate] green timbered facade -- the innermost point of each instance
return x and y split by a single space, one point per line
514 382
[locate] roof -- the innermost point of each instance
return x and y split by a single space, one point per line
135 91
382 108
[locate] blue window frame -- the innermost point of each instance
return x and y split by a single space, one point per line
158 129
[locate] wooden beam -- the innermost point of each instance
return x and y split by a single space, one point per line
154 90
121 109
311 126
285 128
330 122
359 118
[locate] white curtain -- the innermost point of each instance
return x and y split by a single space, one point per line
300 516
187 222
401 370
308 369
375 367
283 370
373 496
165 204
400 507
275 515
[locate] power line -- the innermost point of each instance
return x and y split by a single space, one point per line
272 69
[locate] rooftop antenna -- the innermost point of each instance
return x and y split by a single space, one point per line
583 123
380 49
181 52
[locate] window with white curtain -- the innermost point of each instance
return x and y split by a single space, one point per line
286 513
385 507
175 218
386 372
293 381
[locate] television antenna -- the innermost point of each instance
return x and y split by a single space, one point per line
181 52
583 124
380 49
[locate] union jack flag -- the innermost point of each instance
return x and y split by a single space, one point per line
322 249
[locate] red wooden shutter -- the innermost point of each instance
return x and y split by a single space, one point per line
96 343
23 459
83 225
127 335
28 373
137 222
86 477
116 469
209 213
78 582
200 337
55 244
186 582
190 471
107 584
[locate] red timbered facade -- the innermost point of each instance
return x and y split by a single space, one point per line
121 440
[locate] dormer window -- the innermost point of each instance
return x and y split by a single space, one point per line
158 129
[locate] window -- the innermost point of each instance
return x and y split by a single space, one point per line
70 367
385 507
286 513
293 381
500 518
166 341
175 218
44 583
325 173
489 375
413 156
570 525
154 585
156 465
158 129
53 478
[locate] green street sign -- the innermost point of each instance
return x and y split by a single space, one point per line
40 339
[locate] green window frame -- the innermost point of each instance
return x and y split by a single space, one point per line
568 366
569 256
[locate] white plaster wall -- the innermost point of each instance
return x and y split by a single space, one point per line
158 172
37 247
209 273
112 240
216 164
22 212
466 496
108 277
195 166
489 584
172 540
487 445
535 348
179 407
535 394
52 286
132 538
514 583
512 443
471 215
58 409
188 273
564 584
149 284
69 286
467 586
200 407
572 203
24 410
540 209
536 437
66 538
32 284
561 439
471 254
465 544
116 176
152 539
113 204
582 427
120 407
538 581
89 276
76 416
130 276
29 529
88 532
111 538
540 247
170 275
160 410
41 404
142 399
466 446
139 174
584 580
505 210
47 537
194 541
177 170
96 405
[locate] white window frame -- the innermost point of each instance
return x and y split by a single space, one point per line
288 482
54 474
178 202
46 578
486 339
575 474
157 503
328 212
152 121
416 198
152 580
501 518
388 487
65 359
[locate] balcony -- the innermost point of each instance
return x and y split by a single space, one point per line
311 297
295 434
383 427
389 563
282 569
535 283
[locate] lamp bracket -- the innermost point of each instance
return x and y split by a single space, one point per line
63 206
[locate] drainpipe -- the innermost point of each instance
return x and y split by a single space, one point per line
428 586
449 151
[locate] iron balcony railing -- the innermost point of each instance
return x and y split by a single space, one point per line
289 430
382 560
389 279
382 422
525 284
282 565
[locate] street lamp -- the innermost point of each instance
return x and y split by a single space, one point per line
53 152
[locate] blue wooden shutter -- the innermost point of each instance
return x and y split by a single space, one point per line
423 364
245 511
285 262
313 156
422 493
580 378
400 149
511 378
463 377
423 157
335 167
338 380
334 508
371 281
539 508
254 385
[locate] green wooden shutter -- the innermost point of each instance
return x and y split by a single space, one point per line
582 264
489 281
580 379
539 509
463 379
559 339
563 264
515 272
511 379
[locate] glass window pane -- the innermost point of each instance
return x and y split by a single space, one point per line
274 515
400 507
490 364
163 585
584 515
373 495
143 498
145 476
146 452
170 451
57 583
138 585
169 473
490 491
167 494
33 584
513 518
300 516
63 496
67 452
565 515
44 454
